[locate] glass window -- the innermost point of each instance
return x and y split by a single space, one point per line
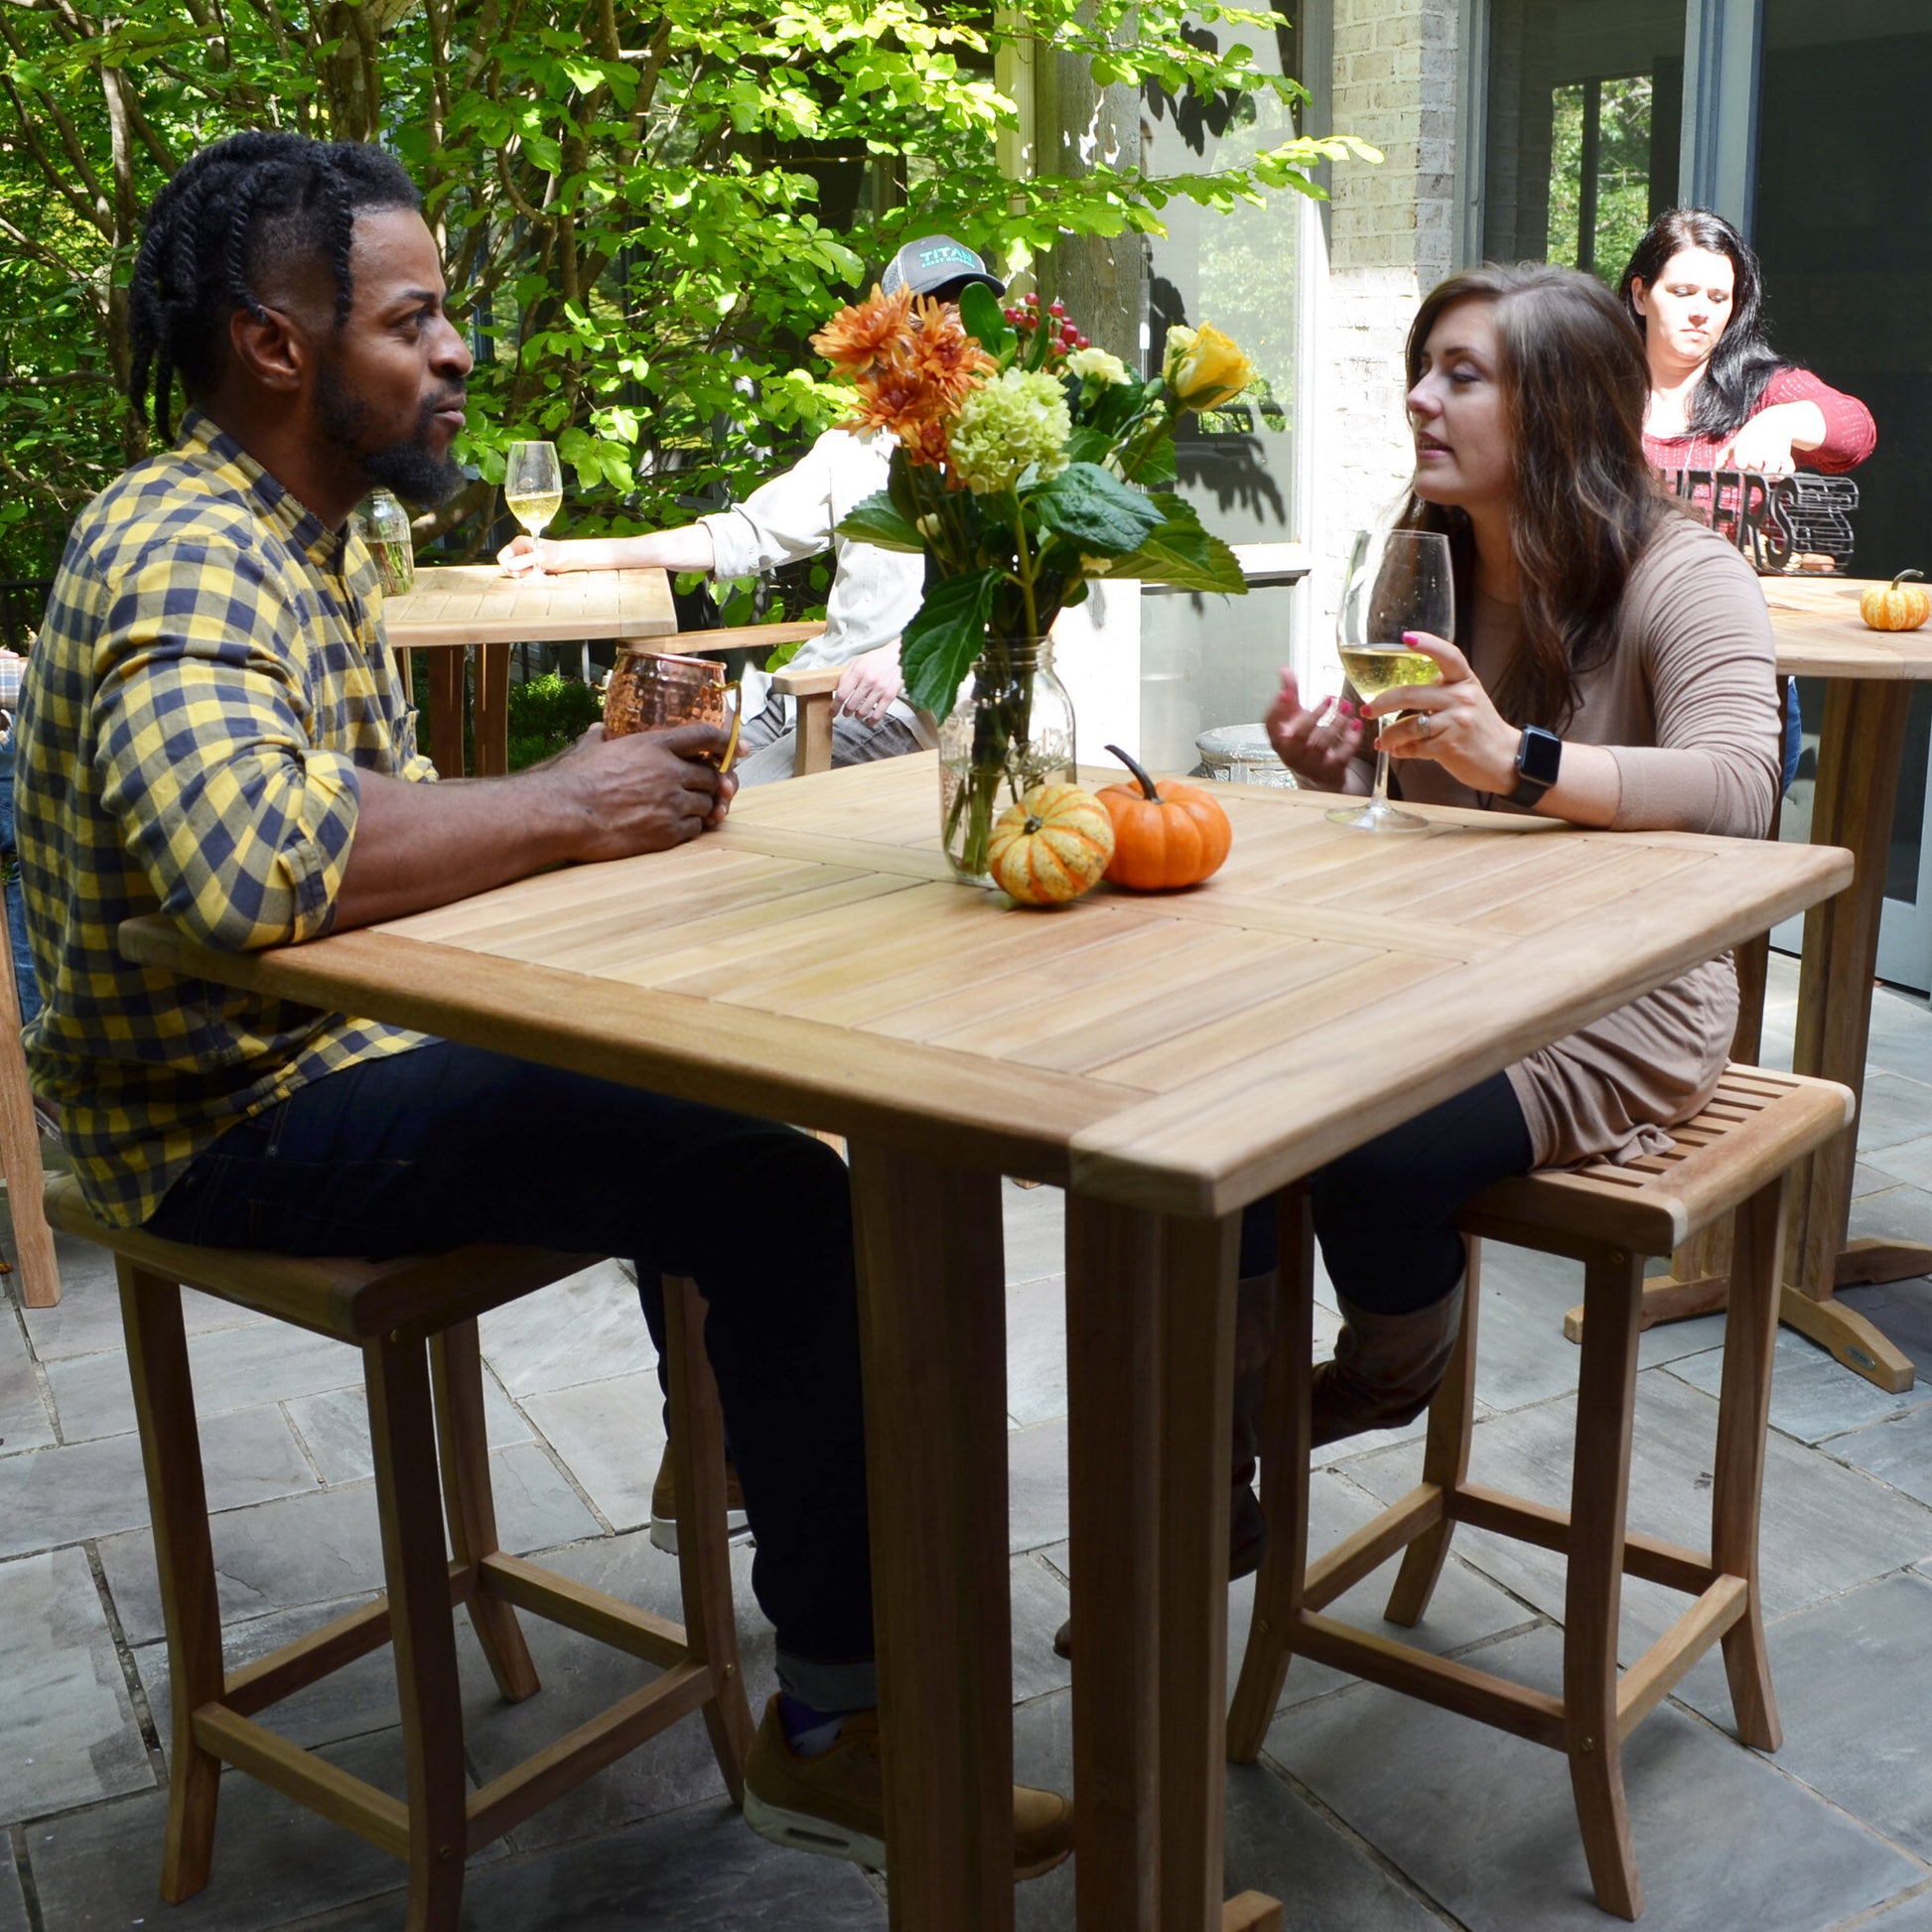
1584 117
1209 661
1842 225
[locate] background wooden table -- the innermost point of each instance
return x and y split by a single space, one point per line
454 607
1167 1059
1870 676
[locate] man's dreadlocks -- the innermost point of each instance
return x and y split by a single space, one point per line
230 219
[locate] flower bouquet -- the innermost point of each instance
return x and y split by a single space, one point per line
1029 464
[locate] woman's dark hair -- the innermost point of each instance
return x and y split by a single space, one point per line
231 216
1742 362
1583 502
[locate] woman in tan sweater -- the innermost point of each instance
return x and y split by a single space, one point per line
1615 670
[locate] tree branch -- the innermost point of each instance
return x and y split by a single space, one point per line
56 179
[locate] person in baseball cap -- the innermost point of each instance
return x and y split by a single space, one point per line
874 593
939 267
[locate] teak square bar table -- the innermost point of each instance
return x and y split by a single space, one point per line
455 605
1167 1059
1868 676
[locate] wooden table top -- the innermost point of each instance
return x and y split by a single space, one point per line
1821 634
813 961
475 604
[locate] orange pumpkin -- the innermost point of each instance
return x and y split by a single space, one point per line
1165 835
1051 846
1897 606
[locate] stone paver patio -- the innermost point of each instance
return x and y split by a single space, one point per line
1366 1814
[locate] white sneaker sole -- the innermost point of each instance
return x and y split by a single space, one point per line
801 1832
663 1531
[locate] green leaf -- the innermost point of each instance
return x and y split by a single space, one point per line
1183 555
877 522
901 490
1094 510
1157 464
979 310
947 634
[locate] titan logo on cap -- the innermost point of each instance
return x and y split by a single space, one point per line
932 258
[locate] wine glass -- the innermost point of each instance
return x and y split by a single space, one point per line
1398 581
533 486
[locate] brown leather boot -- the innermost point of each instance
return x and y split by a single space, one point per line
1257 1323
1386 1367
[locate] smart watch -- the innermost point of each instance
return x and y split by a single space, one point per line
1539 758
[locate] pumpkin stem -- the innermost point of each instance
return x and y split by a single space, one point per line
1032 825
1140 772
1895 581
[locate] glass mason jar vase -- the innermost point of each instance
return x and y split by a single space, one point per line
385 529
1010 728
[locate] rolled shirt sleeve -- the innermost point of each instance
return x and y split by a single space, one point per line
205 756
789 518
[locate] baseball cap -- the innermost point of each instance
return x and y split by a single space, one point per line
934 262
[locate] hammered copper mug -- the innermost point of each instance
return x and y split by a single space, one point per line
650 690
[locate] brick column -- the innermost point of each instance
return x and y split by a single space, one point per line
1395 82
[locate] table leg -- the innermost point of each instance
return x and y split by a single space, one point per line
445 668
1149 1395
933 1320
492 710
1858 752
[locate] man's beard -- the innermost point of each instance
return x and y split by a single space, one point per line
410 467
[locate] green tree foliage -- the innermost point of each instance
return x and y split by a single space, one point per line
644 208
1622 173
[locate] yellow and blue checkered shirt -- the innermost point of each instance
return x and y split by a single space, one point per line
211 677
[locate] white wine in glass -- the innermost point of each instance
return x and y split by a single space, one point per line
1398 581
533 486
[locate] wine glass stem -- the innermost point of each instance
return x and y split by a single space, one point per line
1379 799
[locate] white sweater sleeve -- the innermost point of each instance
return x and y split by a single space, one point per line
788 517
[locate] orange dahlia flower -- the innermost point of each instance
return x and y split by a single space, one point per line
913 363
865 333
949 363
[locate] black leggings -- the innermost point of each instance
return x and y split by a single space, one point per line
1385 1213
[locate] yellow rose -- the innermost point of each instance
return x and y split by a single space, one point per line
1203 368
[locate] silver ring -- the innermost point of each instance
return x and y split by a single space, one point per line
1424 726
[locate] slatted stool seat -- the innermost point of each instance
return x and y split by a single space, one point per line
415 1321
1736 1155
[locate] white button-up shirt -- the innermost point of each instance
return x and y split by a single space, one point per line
797 514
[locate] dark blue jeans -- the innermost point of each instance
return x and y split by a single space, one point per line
450 1144
1385 1212
26 983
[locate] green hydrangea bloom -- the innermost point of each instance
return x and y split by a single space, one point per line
1004 427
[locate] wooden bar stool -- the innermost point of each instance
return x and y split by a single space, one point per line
1734 1156
415 1321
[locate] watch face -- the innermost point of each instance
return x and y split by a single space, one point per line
1539 755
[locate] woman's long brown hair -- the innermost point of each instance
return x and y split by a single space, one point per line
1583 502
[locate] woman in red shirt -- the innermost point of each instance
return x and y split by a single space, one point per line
1719 397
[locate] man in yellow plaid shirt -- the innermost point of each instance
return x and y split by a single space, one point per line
213 727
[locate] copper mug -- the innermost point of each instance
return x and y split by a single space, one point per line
650 690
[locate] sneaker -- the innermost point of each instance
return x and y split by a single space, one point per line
834 1804
663 1506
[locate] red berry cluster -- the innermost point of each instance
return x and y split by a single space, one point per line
1061 335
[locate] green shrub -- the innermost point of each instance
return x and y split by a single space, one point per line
547 714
